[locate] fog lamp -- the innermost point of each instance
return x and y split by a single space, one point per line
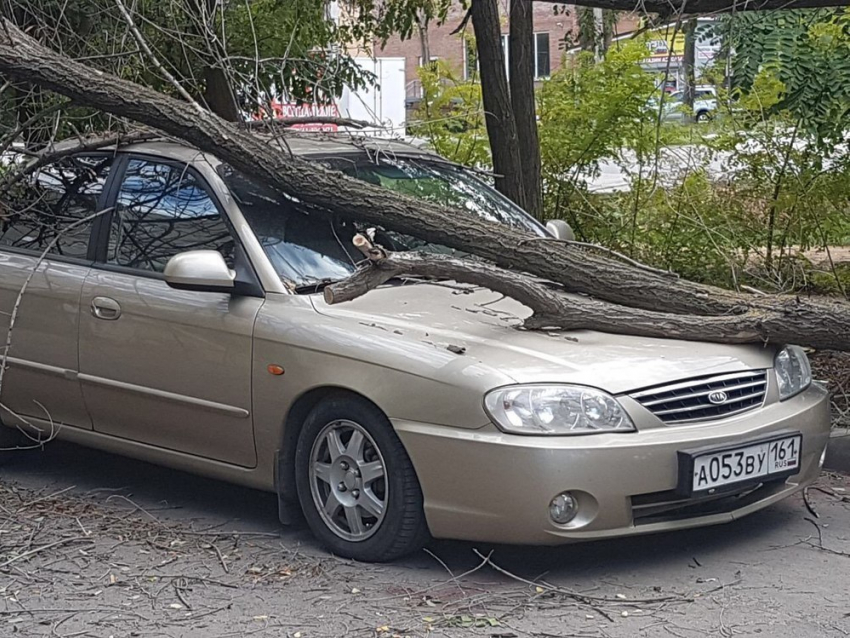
563 508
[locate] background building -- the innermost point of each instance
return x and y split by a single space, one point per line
555 32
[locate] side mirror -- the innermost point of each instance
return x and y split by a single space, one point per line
560 229
200 270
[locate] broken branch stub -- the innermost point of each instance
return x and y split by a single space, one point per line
639 301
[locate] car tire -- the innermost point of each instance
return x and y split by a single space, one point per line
703 116
356 484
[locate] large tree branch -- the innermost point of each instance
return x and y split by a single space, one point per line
816 322
782 321
23 58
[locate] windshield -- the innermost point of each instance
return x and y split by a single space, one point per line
309 248
441 183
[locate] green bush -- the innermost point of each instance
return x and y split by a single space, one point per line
790 189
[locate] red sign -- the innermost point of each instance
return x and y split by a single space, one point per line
289 110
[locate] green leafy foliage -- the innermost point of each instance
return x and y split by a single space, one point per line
805 55
790 181
450 116
588 112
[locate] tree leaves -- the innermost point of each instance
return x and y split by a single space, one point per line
807 54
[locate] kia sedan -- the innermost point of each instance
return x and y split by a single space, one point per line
177 317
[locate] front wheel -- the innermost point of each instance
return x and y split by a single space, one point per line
356 483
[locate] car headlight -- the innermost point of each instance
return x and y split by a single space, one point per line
556 410
792 371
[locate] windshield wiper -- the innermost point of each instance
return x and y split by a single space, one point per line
315 286
321 284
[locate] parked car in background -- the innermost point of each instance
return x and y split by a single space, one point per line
705 105
177 317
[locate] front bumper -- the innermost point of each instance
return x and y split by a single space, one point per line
485 485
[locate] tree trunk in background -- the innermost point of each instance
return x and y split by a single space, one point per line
598 34
499 115
595 30
521 80
688 63
609 27
218 95
424 44
586 28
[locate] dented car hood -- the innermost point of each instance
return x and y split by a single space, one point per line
484 327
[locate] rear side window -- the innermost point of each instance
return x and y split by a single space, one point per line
163 210
56 208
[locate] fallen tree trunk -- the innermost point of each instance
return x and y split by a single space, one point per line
552 309
670 304
22 57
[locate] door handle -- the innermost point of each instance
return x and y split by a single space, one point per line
105 308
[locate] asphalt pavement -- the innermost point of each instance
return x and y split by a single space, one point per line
124 548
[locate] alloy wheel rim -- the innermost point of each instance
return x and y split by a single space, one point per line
348 481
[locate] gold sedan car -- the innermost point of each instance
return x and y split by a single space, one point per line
177 317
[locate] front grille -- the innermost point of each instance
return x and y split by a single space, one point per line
688 401
665 507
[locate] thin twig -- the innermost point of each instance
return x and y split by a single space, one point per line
220 558
808 504
143 45
179 586
44 498
44 548
287 122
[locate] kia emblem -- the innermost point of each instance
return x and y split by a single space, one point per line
718 397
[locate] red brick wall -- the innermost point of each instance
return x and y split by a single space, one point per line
449 48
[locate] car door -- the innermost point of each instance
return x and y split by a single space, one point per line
164 367
45 229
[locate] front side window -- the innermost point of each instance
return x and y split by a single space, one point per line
163 210
56 208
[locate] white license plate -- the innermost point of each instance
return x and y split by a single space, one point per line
779 456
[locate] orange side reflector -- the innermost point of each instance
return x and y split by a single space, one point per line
275 369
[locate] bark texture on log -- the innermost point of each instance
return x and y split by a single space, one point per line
555 310
733 317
